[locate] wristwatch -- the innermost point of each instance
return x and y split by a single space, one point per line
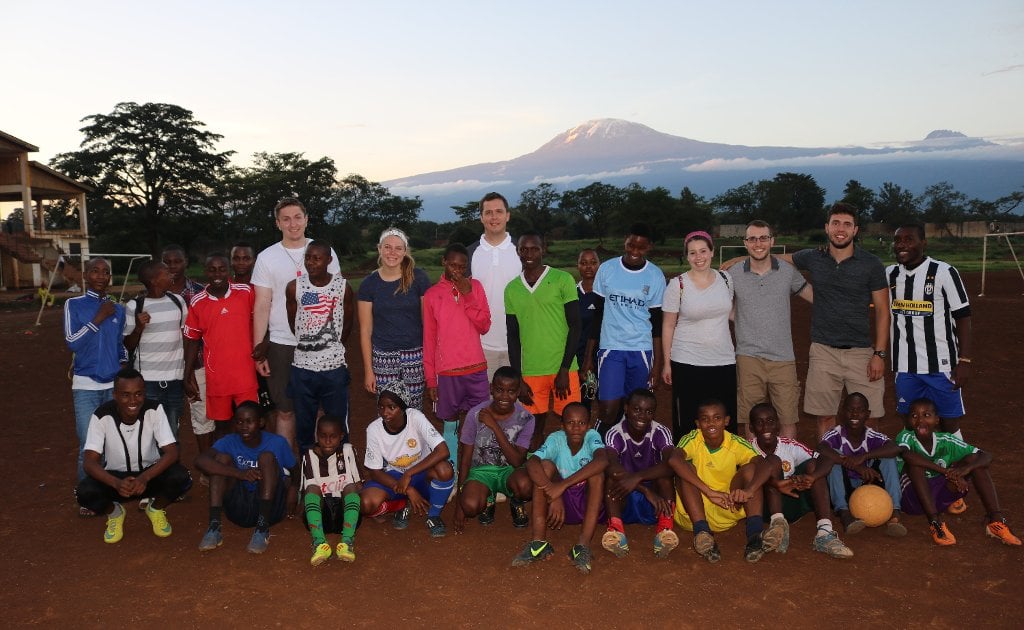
881 353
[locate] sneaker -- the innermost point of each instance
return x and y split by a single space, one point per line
144 503
850 524
401 518
830 545
211 540
755 549
321 553
895 528
941 534
487 516
664 542
346 550
581 558
776 534
706 547
259 542
159 520
1000 530
115 527
957 507
615 542
520 518
533 551
436 527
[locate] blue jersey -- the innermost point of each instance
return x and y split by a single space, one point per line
556 449
245 457
628 297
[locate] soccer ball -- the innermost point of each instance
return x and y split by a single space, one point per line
871 504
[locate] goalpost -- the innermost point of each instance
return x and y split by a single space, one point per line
776 249
984 254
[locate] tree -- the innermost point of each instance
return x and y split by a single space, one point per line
148 162
894 205
536 204
943 205
737 205
858 195
369 206
596 206
655 207
791 201
468 212
694 211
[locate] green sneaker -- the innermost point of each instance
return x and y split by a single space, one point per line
346 550
159 520
532 552
115 526
581 558
321 554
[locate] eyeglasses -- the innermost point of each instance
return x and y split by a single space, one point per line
757 239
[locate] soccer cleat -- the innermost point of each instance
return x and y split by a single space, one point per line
1000 531
755 549
706 547
259 541
115 527
957 507
144 503
487 516
520 518
346 550
581 558
615 542
895 528
830 545
533 551
211 540
855 526
664 542
436 527
941 534
321 554
776 536
158 518
401 518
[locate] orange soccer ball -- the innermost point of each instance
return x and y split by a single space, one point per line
871 504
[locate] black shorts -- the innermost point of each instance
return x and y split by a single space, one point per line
242 505
332 511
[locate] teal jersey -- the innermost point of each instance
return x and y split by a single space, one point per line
947 449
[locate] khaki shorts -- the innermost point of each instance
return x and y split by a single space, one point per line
279 358
760 380
830 370
201 424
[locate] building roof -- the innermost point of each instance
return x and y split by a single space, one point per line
10 144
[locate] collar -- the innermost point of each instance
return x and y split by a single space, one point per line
923 265
92 293
775 264
505 244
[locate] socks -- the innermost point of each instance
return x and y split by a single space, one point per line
387 507
778 515
958 434
314 517
702 526
451 438
439 492
118 510
615 523
351 517
263 520
755 525
664 522
824 527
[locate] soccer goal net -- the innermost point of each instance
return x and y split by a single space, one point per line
1001 245
776 249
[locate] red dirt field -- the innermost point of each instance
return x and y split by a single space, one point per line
58 572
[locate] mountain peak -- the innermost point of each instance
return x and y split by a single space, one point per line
603 129
941 134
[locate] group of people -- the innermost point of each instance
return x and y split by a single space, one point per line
502 345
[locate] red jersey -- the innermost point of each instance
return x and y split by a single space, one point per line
225 327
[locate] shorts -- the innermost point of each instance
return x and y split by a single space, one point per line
401 365
461 393
942 495
621 371
494 477
937 387
201 422
242 503
794 508
719 519
636 509
761 380
222 408
544 397
172 483
332 513
279 359
575 501
831 369
495 359
418 481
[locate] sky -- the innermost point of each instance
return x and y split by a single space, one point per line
394 89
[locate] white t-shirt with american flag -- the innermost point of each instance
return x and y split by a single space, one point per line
319 318
791 452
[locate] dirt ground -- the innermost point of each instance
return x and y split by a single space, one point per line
56 570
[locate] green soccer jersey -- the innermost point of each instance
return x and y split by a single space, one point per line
947 449
540 311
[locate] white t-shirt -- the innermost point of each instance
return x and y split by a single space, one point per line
495 267
118 443
275 267
791 452
701 336
403 450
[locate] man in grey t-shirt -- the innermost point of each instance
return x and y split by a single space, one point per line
765 364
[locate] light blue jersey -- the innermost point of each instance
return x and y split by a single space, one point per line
556 449
628 296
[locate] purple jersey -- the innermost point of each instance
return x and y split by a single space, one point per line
636 456
836 438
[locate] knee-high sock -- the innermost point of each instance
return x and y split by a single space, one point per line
314 517
439 493
451 438
351 518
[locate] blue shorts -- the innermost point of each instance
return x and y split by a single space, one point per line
936 387
418 481
621 371
637 509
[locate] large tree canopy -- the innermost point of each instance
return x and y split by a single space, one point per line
148 162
